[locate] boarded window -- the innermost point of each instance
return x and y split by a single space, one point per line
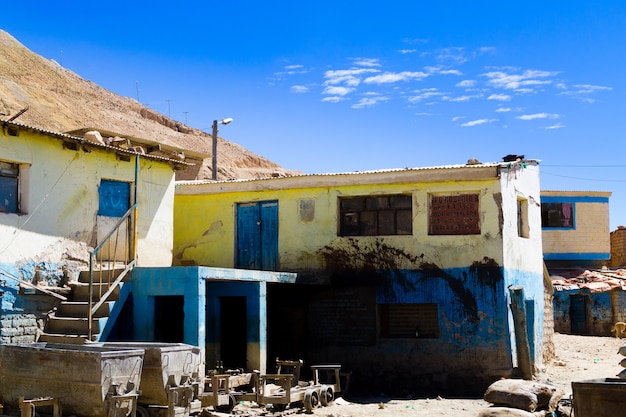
454 215
376 216
114 198
409 320
9 187
559 215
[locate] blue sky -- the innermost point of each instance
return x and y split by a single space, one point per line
333 86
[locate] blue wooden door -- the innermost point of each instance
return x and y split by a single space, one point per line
578 314
257 235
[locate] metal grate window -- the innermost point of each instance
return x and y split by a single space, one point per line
376 215
409 320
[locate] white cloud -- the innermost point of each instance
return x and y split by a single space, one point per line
478 122
425 94
333 99
349 76
407 51
450 72
582 91
555 126
499 97
455 55
457 118
538 116
337 91
466 84
299 89
393 77
459 99
424 114
503 109
502 79
369 102
367 62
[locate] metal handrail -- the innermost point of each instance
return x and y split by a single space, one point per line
129 252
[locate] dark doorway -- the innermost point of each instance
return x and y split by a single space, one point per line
234 334
169 319
578 314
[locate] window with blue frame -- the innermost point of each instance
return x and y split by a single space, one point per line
114 198
9 187
557 215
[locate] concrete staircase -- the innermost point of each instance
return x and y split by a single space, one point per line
69 323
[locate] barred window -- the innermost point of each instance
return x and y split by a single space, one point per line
376 215
409 321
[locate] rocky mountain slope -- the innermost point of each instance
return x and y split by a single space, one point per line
60 100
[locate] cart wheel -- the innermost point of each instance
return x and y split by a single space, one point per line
279 407
227 408
311 400
327 395
142 411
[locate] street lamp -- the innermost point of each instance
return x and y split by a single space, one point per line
215 122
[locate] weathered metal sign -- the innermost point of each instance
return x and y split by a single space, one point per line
454 215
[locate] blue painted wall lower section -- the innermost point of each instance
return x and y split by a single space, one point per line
476 340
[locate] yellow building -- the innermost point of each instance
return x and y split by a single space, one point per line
404 275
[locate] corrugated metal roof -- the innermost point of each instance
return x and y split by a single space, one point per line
82 141
504 165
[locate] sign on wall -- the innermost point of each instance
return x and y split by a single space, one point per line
454 215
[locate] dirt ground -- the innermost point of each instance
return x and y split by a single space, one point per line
578 358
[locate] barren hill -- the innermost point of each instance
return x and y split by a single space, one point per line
60 100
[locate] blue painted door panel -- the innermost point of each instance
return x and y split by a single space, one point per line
578 314
257 235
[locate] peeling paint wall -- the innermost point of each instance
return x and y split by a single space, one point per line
59 196
58 221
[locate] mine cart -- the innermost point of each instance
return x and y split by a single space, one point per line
170 382
87 380
284 388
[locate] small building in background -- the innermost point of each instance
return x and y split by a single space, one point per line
575 228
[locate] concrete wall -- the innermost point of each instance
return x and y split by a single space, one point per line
466 275
589 239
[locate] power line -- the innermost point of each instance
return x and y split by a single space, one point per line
580 178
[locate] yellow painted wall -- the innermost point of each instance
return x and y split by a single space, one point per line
59 192
205 224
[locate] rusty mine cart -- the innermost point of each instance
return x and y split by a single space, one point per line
285 388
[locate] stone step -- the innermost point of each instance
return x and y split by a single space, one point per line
81 309
71 339
81 291
71 325
109 274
